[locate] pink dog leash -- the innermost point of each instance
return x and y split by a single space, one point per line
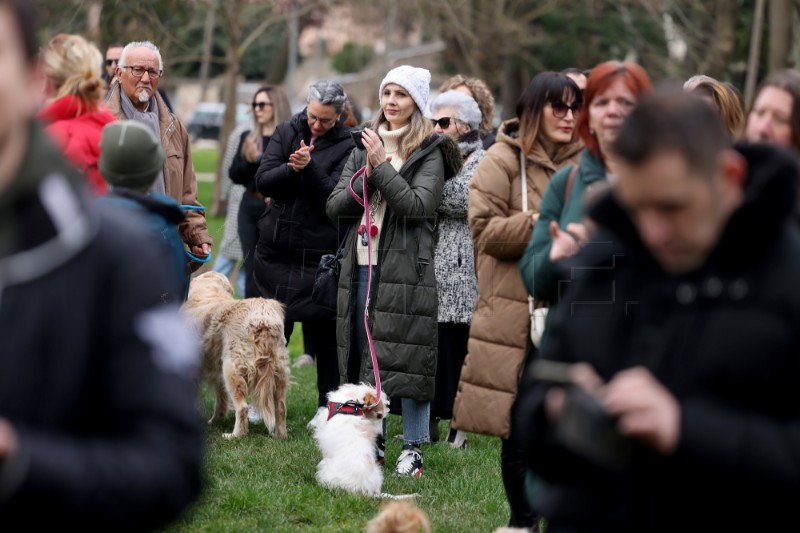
363 172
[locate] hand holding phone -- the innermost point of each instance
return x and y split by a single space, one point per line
356 135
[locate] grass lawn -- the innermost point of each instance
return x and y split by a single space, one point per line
205 159
263 484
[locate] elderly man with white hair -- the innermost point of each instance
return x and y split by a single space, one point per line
457 115
134 96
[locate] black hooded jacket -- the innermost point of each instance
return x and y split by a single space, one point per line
294 231
723 339
96 371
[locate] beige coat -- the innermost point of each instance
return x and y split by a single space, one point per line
179 178
499 336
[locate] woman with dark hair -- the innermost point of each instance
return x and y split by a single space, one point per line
528 151
299 169
774 117
270 108
611 93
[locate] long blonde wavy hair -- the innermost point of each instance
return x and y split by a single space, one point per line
419 129
73 66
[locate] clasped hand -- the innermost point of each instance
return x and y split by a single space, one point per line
301 157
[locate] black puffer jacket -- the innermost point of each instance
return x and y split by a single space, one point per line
96 372
294 231
724 340
403 312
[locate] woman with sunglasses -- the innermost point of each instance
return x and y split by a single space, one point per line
611 93
457 115
270 108
299 169
535 144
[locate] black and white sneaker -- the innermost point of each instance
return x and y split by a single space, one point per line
410 461
457 439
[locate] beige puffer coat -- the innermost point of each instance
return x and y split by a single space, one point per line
499 336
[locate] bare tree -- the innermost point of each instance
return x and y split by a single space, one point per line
780 33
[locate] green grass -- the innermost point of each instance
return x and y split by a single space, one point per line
205 192
262 484
259 483
205 159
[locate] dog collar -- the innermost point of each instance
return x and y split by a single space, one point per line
346 408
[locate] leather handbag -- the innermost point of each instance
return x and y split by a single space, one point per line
325 289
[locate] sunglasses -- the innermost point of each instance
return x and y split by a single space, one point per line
261 105
110 62
560 109
443 122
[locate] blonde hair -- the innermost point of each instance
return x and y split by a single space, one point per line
419 129
482 95
73 64
399 517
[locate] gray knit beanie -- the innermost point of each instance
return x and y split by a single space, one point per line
131 156
415 80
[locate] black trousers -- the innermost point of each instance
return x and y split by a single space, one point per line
324 334
250 210
452 351
513 464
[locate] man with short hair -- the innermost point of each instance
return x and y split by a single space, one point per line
98 427
134 96
113 52
683 312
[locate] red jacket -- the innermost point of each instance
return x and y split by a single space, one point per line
77 129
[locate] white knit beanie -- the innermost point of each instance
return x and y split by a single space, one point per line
417 81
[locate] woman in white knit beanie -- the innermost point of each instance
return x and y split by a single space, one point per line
405 164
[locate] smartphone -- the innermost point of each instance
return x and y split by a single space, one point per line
552 372
356 135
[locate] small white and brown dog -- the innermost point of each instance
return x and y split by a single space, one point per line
244 350
348 439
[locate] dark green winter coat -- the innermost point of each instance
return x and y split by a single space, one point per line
403 308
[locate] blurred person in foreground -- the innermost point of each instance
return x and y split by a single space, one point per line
134 96
682 412
98 428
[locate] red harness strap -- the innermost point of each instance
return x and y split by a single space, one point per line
344 409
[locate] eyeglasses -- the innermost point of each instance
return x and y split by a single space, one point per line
323 121
138 72
443 122
560 109
261 105
110 62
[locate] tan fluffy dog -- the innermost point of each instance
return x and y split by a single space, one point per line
244 349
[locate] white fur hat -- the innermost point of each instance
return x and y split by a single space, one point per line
417 81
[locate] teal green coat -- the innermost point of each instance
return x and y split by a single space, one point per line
539 274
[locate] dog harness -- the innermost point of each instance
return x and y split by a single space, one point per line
347 408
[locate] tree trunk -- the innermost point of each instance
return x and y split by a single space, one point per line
755 53
232 15
94 11
721 43
208 38
780 34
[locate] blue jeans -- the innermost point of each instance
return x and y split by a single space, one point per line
225 265
416 414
